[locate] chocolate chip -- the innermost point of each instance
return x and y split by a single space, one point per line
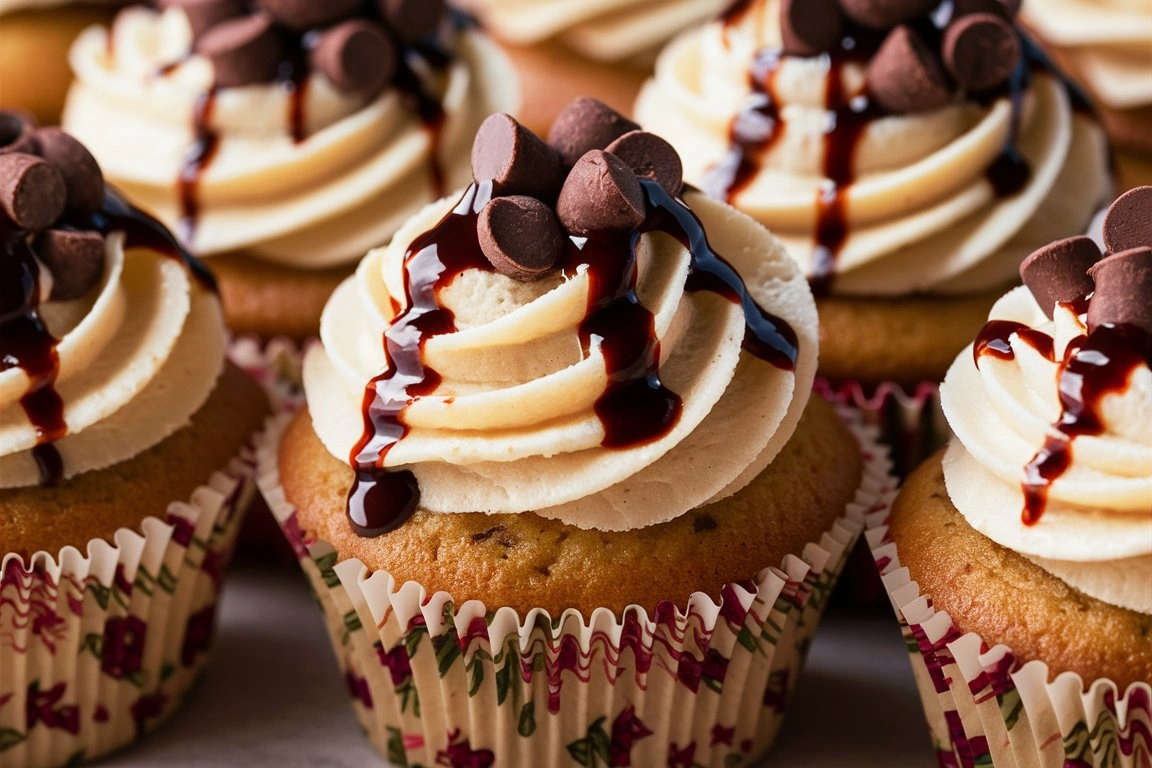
981 50
650 157
586 124
906 76
810 27
357 56
1121 296
32 191
309 14
17 132
1128 223
243 51
75 259
601 193
1059 272
205 14
881 14
81 172
1005 8
521 237
413 20
515 160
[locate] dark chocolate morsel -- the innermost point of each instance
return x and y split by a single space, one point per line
32 191
242 51
515 160
521 237
413 20
1006 8
1128 223
650 157
586 124
882 14
601 193
981 50
356 56
1059 272
75 259
17 132
205 14
81 172
1122 284
309 14
905 75
810 27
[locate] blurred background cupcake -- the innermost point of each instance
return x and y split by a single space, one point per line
124 458
1107 46
564 49
1020 560
584 505
34 72
908 156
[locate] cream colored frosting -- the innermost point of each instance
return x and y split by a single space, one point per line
1096 532
512 428
1107 42
605 30
921 214
362 170
138 356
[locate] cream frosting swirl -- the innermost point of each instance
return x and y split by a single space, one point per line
137 356
920 212
512 426
1096 530
364 166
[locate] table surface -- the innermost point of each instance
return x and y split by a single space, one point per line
273 697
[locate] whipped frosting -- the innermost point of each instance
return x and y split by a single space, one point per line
512 427
921 211
1096 530
604 30
1107 42
363 166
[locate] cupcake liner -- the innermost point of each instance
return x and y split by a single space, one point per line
98 648
436 683
277 364
985 707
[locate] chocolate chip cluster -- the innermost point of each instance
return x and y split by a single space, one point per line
584 179
1119 283
49 182
919 65
357 44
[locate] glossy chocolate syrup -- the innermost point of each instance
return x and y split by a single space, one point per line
635 408
994 340
205 144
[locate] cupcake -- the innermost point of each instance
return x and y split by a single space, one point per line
34 73
125 458
908 156
563 49
1020 559
577 503
1108 47
280 143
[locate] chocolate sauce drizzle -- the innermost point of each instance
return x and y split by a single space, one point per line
1094 365
635 408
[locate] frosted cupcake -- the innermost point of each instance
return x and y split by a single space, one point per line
283 142
124 458
908 157
578 502
1020 559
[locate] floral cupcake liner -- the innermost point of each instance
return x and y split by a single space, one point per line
985 707
98 648
436 683
277 364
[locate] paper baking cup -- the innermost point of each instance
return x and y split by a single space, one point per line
436 683
98 648
986 708
277 364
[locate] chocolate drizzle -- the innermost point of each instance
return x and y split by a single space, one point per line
635 408
205 143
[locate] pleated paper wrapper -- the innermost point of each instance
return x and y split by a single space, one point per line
985 707
277 364
99 646
435 683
